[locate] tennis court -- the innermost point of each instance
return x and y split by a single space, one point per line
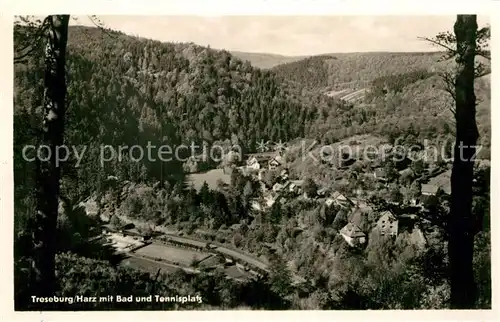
183 257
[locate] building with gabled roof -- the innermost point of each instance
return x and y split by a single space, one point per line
276 162
329 201
342 200
356 217
257 161
363 204
253 163
387 224
295 186
439 179
353 235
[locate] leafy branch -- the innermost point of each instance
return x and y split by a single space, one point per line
29 32
447 41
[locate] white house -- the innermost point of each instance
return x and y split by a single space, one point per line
388 224
284 174
256 205
270 199
276 162
295 186
253 163
353 235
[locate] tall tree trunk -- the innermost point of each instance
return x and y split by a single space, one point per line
461 237
48 172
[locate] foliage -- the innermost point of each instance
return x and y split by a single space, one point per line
310 187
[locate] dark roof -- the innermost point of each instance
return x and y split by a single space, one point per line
128 226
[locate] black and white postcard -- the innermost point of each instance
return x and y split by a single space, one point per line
249 162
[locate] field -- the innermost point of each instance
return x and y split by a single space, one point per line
210 177
183 257
147 265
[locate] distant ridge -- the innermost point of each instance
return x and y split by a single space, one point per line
265 60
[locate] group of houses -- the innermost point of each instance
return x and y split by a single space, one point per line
388 223
279 192
257 164
269 160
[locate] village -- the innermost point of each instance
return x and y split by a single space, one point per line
395 218
366 213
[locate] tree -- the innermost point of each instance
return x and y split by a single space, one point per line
55 33
115 221
310 187
280 278
418 167
205 194
275 213
340 220
390 171
415 189
248 190
395 194
51 35
464 45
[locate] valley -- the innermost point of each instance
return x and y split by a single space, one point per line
307 183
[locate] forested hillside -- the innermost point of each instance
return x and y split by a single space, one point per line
128 91
405 95
334 70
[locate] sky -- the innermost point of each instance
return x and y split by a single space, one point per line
288 35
